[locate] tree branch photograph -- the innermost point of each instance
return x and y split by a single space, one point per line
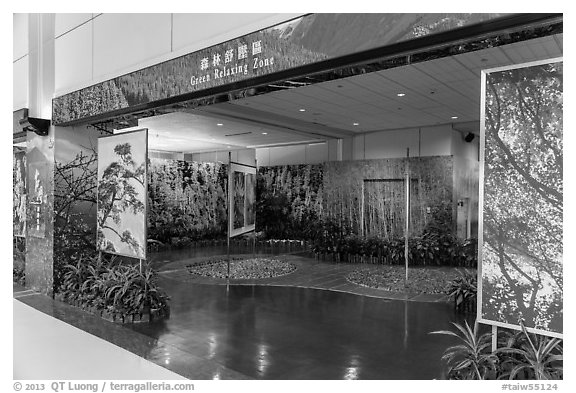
522 277
122 194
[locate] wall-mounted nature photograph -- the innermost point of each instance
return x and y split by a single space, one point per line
19 192
187 200
250 190
37 193
522 231
122 198
242 187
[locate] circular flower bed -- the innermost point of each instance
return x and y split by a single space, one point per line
244 268
391 278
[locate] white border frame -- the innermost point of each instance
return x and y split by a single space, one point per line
145 256
244 168
483 74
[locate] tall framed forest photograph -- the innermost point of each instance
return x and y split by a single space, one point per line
242 203
122 194
521 195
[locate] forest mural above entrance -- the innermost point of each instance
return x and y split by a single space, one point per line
305 40
522 233
122 189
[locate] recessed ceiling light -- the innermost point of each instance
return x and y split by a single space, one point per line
219 124
454 117
302 110
264 133
401 94
355 124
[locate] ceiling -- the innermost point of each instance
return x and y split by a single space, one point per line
441 91
185 132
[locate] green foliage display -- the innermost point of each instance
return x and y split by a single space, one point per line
464 289
529 356
520 355
187 200
422 251
121 292
472 358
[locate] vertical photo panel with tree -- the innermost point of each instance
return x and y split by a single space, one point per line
122 189
19 191
242 188
521 253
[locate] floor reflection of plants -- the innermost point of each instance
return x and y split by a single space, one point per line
520 355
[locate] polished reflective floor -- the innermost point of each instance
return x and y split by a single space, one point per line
266 332
247 331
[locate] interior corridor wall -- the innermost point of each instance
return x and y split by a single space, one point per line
441 140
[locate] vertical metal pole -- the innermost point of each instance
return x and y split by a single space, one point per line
229 214
406 227
254 207
494 338
140 262
362 211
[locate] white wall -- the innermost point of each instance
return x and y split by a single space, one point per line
91 48
242 156
463 149
313 153
425 141
20 61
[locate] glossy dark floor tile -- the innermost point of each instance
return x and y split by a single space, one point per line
269 332
276 329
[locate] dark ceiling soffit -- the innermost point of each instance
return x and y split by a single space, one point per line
219 94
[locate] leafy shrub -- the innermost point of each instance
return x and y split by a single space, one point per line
463 290
471 358
426 250
530 356
123 291
521 355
